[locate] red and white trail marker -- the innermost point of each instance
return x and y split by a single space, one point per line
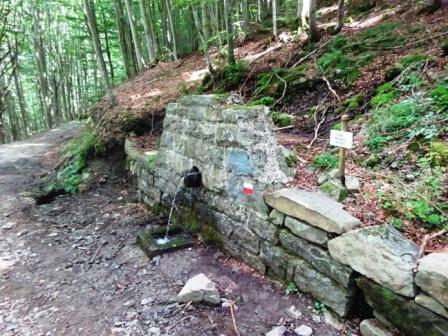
248 188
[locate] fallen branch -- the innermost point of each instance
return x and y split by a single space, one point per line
333 91
181 320
265 53
304 58
284 89
316 129
425 241
284 128
237 333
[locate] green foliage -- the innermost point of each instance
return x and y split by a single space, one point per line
396 223
394 117
319 308
438 154
292 288
337 126
440 96
425 212
281 119
381 36
230 76
325 161
192 222
73 175
267 101
291 161
273 82
385 94
377 142
353 102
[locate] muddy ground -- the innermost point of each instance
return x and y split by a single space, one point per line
72 266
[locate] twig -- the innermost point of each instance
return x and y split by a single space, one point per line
284 128
237 333
333 92
304 58
284 88
181 320
316 129
265 53
425 241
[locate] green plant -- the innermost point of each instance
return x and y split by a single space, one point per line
424 211
226 78
438 154
319 308
267 101
73 175
325 161
440 96
381 36
292 288
192 222
394 117
377 142
291 161
396 223
281 119
385 94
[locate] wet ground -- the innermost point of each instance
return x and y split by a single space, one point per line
72 266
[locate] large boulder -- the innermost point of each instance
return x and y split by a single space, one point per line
432 276
315 208
407 316
381 253
199 289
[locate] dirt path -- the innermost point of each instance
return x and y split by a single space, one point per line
72 267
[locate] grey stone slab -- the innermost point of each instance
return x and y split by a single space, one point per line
306 231
432 276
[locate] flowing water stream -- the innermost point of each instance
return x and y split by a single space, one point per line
166 239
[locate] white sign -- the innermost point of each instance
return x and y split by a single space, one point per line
341 139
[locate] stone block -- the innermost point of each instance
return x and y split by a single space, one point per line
246 238
276 258
227 136
277 217
335 190
432 276
317 257
238 113
381 253
408 317
238 162
373 327
236 250
306 231
431 304
324 289
263 228
316 209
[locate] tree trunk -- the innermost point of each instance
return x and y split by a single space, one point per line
340 16
229 31
122 34
173 33
204 42
21 100
148 34
309 19
274 18
134 32
91 22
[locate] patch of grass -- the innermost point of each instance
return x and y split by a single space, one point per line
266 101
394 117
273 82
291 161
319 308
438 154
377 142
226 78
292 288
381 36
325 161
192 222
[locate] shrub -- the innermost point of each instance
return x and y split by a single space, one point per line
385 94
325 161
440 96
267 101
377 142
394 117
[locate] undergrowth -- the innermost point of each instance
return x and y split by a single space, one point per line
325 160
74 175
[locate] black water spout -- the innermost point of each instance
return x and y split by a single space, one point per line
192 177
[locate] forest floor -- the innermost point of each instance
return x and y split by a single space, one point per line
71 266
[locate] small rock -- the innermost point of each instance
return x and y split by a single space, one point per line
316 318
52 234
352 184
334 189
8 226
277 331
199 289
22 233
129 303
303 330
294 312
154 331
146 301
409 177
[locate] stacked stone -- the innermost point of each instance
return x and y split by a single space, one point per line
306 222
386 260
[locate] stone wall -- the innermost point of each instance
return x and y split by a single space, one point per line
287 233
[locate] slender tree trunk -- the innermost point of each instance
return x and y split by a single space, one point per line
135 37
147 29
91 22
108 53
122 34
204 42
205 21
173 32
274 18
309 19
340 16
21 101
229 31
245 16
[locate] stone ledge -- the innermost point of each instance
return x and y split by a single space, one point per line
381 253
432 276
314 208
